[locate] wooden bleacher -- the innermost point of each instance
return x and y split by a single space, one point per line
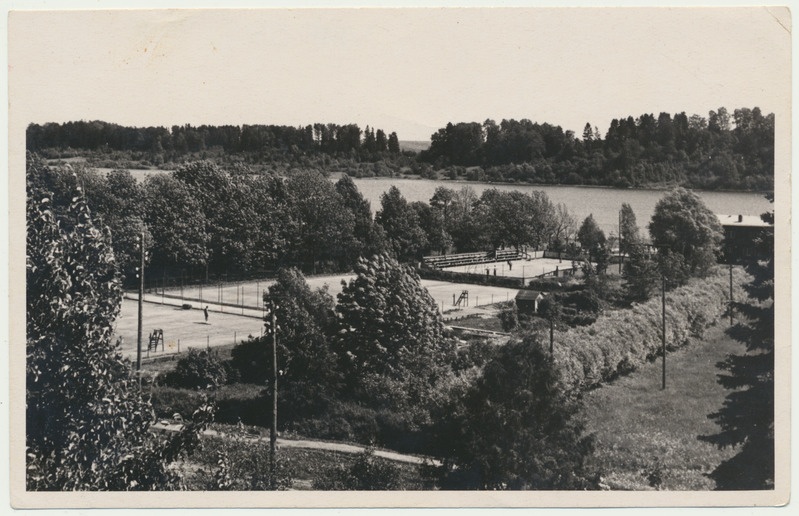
453 260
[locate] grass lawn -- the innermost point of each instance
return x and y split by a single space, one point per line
641 428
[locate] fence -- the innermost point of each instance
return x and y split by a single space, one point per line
453 260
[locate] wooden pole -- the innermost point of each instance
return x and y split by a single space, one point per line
273 425
141 305
663 298
620 258
731 300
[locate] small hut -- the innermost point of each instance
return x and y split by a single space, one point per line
527 301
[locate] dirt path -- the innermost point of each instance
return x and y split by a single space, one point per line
312 445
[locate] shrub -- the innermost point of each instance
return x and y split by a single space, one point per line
367 473
622 340
168 401
198 370
509 316
241 464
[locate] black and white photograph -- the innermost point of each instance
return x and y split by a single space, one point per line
399 257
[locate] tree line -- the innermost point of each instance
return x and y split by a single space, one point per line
725 150
204 221
181 140
721 151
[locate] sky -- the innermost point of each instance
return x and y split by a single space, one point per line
406 70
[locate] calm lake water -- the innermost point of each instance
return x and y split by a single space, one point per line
603 203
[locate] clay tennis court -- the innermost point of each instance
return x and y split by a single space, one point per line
233 296
183 329
526 269
230 322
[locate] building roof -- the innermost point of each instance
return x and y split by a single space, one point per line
528 295
752 221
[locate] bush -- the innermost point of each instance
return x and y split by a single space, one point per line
240 464
622 340
509 316
367 473
198 370
249 359
168 401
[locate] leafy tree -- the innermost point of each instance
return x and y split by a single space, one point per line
683 224
515 428
458 207
176 222
564 228
370 239
591 238
326 232
401 224
87 424
641 272
306 318
305 358
629 236
390 333
432 223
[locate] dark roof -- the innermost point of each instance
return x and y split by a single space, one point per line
751 221
528 295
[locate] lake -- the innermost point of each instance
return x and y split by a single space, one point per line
603 203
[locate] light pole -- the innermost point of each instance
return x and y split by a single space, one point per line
272 327
140 276
620 255
663 298
731 300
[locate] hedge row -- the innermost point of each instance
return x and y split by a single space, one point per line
621 341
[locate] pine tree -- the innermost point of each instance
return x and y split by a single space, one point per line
747 415
390 333
516 429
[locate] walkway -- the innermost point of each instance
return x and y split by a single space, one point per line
311 445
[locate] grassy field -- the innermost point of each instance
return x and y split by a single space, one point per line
642 429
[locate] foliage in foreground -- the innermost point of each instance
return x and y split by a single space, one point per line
746 419
516 428
87 423
366 473
240 463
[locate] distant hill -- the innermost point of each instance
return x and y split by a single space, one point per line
415 146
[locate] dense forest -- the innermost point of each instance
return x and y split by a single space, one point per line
723 151
731 151
268 141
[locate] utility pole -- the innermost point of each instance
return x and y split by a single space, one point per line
620 255
551 336
272 324
731 321
140 275
663 298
